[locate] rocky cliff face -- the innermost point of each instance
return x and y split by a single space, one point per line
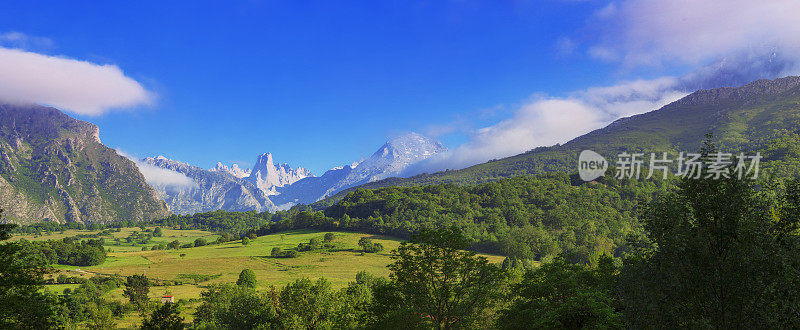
207 190
268 177
232 170
54 168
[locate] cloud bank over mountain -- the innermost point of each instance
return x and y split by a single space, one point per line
721 44
157 176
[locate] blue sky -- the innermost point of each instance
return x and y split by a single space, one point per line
324 83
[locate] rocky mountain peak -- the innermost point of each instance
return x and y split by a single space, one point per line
234 170
411 146
389 160
268 177
210 190
264 161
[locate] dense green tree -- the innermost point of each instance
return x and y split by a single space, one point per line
200 242
247 278
314 243
329 237
367 245
158 232
357 300
174 245
137 287
562 295
70 251
719 254
308 305
165 317
436 282
291 254
236 307
86 304
23 303
100 316
245 240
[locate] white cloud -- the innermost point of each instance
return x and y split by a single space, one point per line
15 39
77 86
546 121
646 32
565 46
157 176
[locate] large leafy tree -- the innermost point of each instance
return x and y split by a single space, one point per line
309 305
137 287
436 282
236 307
724 253
23 304
563 295
247 278
166 317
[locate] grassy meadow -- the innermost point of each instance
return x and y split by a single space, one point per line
224 262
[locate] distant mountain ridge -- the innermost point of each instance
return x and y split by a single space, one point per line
212 190
389 160
232 170
269 186
53 167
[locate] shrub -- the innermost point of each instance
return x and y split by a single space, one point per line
247 278
368 246
291 254
176 244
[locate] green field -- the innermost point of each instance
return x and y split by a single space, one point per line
225 261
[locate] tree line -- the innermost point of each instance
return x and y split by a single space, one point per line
528 218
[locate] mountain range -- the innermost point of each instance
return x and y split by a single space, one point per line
208 190
269 186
